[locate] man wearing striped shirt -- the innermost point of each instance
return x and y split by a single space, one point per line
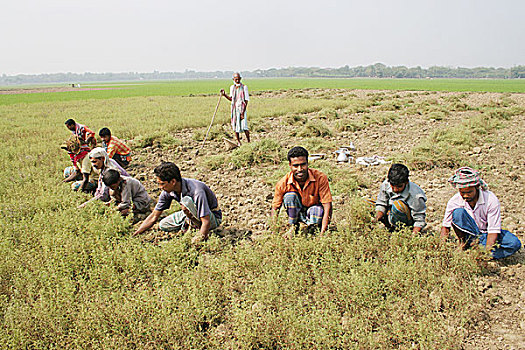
115 148
401 201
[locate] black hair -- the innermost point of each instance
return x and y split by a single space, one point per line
398 174
168 171
70 122
297 151
104 132
110 177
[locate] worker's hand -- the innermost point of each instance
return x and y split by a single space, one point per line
242 115
223 93
186 211
91 141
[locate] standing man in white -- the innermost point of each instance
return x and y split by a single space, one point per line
239 98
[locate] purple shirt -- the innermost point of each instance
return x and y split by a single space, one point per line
486 212
205 200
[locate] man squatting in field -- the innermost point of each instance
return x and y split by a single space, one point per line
127 193
115 148
198 203
474 214
239 97
304 192
401 201
88 178
78 146
101 162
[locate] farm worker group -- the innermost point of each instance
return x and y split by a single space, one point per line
473 213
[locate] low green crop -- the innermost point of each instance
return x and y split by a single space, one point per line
73 278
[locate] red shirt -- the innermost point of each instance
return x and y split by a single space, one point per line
315 190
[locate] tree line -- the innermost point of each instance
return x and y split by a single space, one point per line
377 70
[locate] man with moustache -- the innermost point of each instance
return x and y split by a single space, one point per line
100 163
304 192
239 98
474 214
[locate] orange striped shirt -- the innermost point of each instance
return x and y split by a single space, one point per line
117 146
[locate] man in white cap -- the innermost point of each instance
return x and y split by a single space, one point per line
101 162
474 214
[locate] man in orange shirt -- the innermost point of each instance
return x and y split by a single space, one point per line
304 192
115 148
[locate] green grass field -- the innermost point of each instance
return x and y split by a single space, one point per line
74 278
197 87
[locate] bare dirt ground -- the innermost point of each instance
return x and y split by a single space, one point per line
47 89
245 196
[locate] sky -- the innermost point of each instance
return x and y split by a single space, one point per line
53 36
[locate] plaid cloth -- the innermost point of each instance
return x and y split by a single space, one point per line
312 215
116 146
467 177
83 133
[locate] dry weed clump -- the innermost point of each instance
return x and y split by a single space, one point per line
318 145
505 113
342 180
157 138
295 119
391 105
349 125
266 151
328 114
314 127
448 147
263 152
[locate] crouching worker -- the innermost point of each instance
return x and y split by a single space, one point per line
81 173
100 163
304 192
127 193
115 148
198 203
401 201
474 214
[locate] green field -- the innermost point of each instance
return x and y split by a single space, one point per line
197 87
74 278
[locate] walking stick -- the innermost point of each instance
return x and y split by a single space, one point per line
212 119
